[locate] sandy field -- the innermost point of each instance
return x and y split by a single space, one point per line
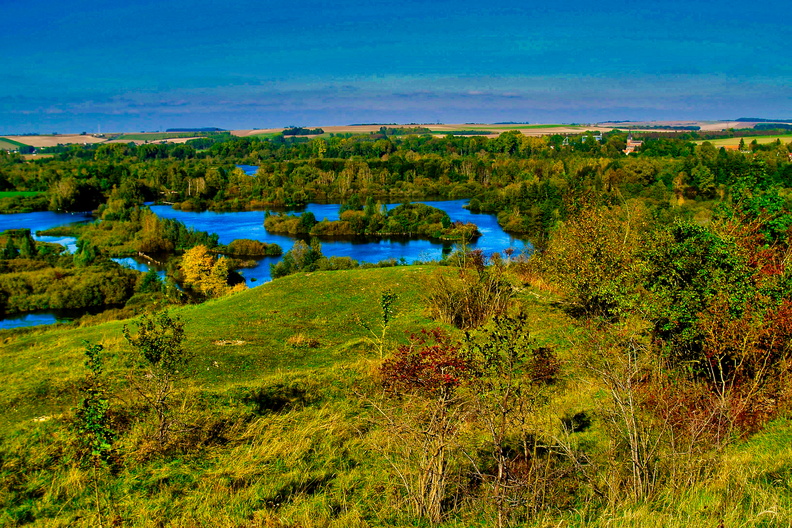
52 141
246 133
152 141
706 126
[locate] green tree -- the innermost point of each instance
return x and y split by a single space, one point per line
690 266
71 194
92 423
162 361
27 247
594 258
86 253
301 257
10 251
151 282
508 385
307 221
703 180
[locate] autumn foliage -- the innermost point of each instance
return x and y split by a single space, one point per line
206 274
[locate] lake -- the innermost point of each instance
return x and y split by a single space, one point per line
44 317
250 224
45 220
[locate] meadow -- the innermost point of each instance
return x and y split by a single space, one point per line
280 423
760 140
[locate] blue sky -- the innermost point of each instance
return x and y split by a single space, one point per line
72 66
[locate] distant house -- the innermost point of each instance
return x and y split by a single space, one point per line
632 145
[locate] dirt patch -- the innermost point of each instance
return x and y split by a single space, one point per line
246 133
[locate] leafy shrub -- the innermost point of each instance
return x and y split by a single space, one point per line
471 295
244 247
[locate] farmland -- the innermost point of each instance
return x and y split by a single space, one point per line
10 144
761 140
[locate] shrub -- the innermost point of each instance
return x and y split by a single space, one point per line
476 292
244 247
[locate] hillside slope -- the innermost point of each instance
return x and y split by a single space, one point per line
280 421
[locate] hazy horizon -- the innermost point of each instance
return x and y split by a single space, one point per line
85 66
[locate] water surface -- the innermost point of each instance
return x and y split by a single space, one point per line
250 224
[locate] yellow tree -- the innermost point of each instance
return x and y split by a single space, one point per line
205 273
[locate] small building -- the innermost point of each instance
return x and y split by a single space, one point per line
632 145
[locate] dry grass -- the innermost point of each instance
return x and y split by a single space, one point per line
255 132
302 341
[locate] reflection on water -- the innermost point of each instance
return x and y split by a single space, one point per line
38 318
250 224
45 220
70 243
250 170
139 265
41 220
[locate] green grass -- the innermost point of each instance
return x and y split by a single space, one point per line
324 306
323 458
240 343
761 140
270 135
14 194
10 144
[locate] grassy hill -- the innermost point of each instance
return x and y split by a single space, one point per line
280 424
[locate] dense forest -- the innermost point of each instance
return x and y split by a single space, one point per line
634 371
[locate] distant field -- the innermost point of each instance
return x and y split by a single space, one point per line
762 140
149 140
156 136
534 130
52 141
256 132
10 144
511 127
264 134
